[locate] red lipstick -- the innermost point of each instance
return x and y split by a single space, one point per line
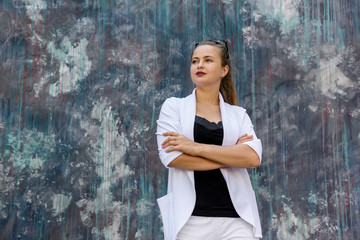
200 73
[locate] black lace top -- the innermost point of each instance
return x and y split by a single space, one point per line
212 194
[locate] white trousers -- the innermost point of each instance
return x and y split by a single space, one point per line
216 228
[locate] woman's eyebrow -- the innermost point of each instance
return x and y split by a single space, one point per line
204 56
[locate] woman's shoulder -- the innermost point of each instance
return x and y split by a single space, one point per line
235 108
173 104
176 100
172 101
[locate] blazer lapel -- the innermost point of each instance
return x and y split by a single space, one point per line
187 116
226 129
230 129
187 119
229 124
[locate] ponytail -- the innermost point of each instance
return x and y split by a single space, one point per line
227 89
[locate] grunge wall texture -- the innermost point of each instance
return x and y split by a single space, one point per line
82 83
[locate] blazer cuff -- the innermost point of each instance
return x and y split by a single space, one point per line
167 158
256 146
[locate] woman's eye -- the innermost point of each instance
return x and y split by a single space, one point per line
193 61
208 60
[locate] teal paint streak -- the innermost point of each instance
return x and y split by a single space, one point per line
153 88
21 84
253 118
337 207
345 139
244 72
328 21
356 16
253 88
326 203
270 194
307 29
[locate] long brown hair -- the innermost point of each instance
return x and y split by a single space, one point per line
227 88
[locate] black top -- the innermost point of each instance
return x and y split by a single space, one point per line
212 194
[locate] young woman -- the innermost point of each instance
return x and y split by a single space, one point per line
207 142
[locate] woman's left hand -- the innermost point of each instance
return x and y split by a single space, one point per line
179 142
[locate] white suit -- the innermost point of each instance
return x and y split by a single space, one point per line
178 115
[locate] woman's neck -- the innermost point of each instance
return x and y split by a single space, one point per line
207 96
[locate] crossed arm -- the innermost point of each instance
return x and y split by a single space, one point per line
201 157
187 154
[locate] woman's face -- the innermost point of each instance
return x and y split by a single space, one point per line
206 68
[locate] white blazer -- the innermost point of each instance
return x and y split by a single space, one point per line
178 115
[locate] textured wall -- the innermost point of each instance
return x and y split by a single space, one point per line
82 83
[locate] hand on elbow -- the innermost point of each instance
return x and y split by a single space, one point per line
178 142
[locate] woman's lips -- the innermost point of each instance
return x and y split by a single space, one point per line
200 74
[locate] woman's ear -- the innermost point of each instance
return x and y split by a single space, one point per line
225 71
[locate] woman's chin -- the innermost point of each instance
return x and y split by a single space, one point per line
206 83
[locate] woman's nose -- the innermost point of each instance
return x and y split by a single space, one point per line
200 64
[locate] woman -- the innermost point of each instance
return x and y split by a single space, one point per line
207 142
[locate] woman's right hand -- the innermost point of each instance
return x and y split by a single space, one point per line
245 138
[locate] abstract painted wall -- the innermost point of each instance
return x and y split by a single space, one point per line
82 83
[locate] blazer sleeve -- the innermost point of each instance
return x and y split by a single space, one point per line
168 122
248 127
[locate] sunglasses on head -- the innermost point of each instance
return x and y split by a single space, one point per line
220 42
